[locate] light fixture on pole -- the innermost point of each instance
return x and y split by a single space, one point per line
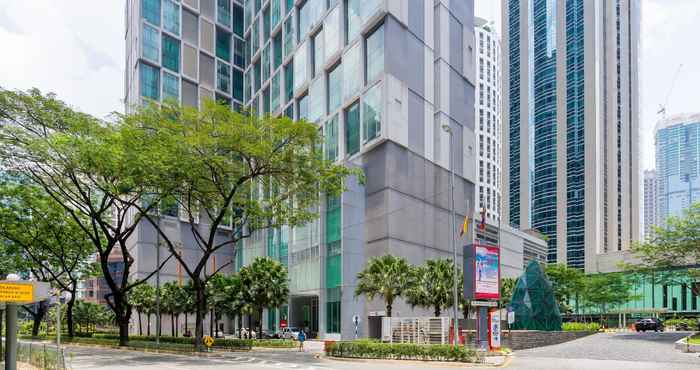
455 300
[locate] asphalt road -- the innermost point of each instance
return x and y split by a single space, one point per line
619 351
610 351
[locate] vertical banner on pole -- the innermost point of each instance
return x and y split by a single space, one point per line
494 330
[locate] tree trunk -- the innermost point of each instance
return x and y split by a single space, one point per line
138 312
41 309
172 325
211 322
240 325
388 309
69 316
201 309
148 324
260 315
437 311
177 325
185 323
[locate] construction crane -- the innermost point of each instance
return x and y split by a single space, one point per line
662 108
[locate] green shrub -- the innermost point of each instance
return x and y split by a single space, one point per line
273 343
580 326
692 323
400 351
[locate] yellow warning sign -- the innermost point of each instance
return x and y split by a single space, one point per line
208 341
16 293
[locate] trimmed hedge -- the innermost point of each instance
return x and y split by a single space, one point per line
692 323
400 351
580 326
218 343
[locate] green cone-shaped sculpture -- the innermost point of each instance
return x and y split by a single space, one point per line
533 302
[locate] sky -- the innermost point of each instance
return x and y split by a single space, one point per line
75 48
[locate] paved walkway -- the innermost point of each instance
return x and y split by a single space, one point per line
610 351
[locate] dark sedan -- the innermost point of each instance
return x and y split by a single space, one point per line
649 324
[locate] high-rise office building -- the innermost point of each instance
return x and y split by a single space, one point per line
381 78
649 202
677 165
570 93
488 116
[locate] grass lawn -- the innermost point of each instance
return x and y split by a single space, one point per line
695 339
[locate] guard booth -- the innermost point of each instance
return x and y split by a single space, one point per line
14 293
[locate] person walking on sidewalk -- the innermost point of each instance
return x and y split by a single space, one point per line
301 338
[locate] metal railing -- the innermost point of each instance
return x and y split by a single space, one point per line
416 330
43 356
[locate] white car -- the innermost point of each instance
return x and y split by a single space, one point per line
289 333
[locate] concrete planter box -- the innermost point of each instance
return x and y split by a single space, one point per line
525 339
683 346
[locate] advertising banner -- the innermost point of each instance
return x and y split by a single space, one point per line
494 330
486 272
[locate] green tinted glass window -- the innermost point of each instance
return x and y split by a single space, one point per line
150 81
335 88
223 76
352 129
171 53
375 54
150 43
237 20
151 11
223 44
223 12
274 12
171 86
171 17
275 92
289 82
237 84
372 112
331 142
352 71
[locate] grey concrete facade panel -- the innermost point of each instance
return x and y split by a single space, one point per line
404 56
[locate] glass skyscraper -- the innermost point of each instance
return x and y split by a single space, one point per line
677 165
571 106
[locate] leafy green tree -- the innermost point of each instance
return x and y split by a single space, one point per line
675 245
507 288
387 276
142 299
231 175
88 315
605 291
94 169
169 303
567 284
265 284
431 285
50 242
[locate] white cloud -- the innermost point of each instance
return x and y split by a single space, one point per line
72 48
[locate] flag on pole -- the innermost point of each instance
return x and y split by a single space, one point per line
465 226
482 225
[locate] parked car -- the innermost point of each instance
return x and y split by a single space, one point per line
648 324
289 333
269 334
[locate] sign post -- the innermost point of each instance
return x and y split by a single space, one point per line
482 273
14 293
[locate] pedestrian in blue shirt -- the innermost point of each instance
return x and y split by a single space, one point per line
301 338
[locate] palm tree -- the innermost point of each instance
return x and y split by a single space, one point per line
266 284
141 298
431 285
169 303
385 276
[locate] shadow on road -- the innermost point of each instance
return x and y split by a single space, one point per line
667 337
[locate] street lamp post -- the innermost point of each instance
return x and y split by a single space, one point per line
455 300
158 284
